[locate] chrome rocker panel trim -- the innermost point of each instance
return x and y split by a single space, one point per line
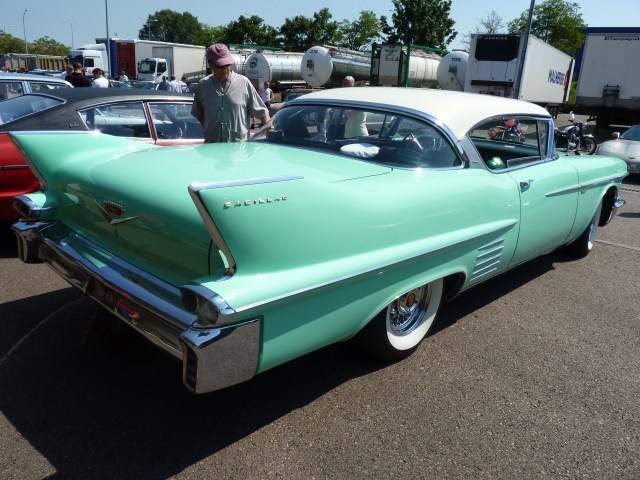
213 358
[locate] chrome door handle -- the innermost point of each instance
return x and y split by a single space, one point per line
524 185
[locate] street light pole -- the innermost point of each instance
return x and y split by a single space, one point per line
525 40
24 32
71 25
106 15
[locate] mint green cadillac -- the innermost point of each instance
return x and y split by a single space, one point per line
355 212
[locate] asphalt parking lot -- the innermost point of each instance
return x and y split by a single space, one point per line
535 374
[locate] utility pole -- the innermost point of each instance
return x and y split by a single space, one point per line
71 25
523 56
24 31
106 16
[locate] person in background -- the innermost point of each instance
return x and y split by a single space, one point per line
164 85
224 100
68 70
266 94
99 80
123 76
356 120
183 83
77 78
174 85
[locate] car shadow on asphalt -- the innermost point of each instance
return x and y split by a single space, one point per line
8 245
96 400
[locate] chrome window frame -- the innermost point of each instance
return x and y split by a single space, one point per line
419 115
551 154
62 100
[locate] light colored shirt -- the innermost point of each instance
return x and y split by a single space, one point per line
123 78
266 94
224 110
174 86
356 124
100 82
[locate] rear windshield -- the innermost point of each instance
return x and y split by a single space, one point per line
18 107
497 48
632 134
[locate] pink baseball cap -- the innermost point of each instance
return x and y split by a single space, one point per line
218 54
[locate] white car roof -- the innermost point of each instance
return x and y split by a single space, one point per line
459 111
21 77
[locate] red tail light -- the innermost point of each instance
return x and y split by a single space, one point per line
15 176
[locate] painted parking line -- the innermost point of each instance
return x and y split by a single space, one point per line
613 244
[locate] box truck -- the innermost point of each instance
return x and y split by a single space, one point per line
494 62
155 60
609 82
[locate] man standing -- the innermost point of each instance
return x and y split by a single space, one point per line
224 100
99 80
163 85
77 78
266 94
174 85
68 70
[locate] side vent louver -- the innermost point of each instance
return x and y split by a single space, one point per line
488 259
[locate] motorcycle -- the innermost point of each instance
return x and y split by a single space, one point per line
574 137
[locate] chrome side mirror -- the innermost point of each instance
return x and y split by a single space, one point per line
616 135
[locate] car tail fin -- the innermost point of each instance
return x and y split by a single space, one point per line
46 152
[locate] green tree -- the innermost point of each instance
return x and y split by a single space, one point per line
423 22
250 30
10 44
360 33
171 26
48 46
208 35
300 33
557 22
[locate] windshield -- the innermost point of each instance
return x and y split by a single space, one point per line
75 59
632 134
18 107
383 137
147 66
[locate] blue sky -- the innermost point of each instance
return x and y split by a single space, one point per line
47 17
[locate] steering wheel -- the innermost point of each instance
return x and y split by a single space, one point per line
412 140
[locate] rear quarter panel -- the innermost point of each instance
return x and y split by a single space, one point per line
596 175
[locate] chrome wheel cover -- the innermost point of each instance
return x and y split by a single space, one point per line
408 311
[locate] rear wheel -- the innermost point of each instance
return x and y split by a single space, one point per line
397 330
587 146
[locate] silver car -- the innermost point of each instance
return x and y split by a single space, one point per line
16 84
625 146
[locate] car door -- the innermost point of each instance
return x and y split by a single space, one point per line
173 124
522 148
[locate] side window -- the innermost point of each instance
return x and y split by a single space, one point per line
120 119
43 87
174 120
88 62
510 141
162 67
386 138
10 90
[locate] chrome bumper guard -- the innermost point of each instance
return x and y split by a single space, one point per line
212 358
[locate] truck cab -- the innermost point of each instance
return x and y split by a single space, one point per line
91 56
153 69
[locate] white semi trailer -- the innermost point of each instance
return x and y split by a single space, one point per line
495 60
609 80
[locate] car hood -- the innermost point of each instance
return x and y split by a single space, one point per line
627 149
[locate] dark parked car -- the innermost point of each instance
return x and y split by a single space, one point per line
148 116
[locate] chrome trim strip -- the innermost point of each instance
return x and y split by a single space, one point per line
473 279
18 133
604 180
563 191
197 186
194 191
495 227
14 167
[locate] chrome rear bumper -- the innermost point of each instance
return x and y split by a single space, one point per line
212 358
